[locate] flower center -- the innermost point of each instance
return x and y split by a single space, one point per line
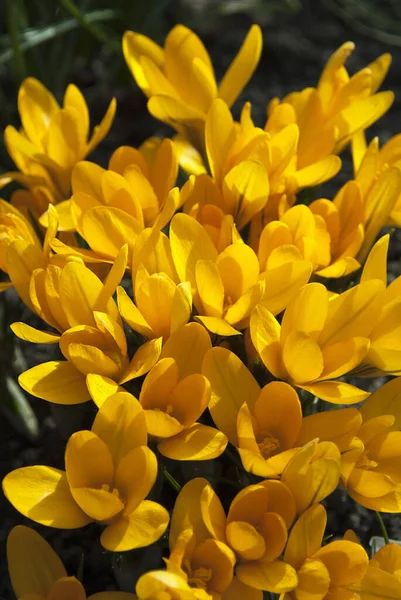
200 577
365 463
269 445
107 488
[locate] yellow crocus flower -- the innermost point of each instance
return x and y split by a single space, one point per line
172 406
319 339
384 354
36 571
339 107
255 529
324 572
169 586
227 286
263 424
383 575
15 226
109 472
179 78
161 305
133 193
77 304
54 137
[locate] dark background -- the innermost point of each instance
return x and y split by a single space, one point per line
59 43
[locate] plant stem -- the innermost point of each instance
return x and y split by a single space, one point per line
382 527
174 484
93 29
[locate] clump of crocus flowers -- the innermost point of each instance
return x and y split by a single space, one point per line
221 320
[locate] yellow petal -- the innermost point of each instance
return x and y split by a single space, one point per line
219 136
276 576
197 442
22 259
121 424
100 388
318 172
313 579
302 357
352 313
141 528
132 315
375 266
136 45
238 590
187 346
89 359
107 229
99 504
239 269
46 497
342 357
143 360
101 130
74 99
231 384
218 326
63 141
88 461
181 307
79 293
336 392
306 312
283 282
56 381
245 540
135 476
246 190
242 67
265 334
346 562
189 243
306 536
385 401
32 563
210 287
313 473
36 106
30 334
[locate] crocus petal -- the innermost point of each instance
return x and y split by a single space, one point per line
219 135
302 357
189 243
32 563
187 346
121 424
197 442
265 334
346 562
385 401
30 334
141 528
247 542
232 384
89 359
210 287
218 326
242 67
99 504
199 507
56 381
238 591
306 535
143 360
135 476
22 259
132 315
46 497
101 130
88 461
112 596
100 388
67 588
196 387
277 576
336 392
